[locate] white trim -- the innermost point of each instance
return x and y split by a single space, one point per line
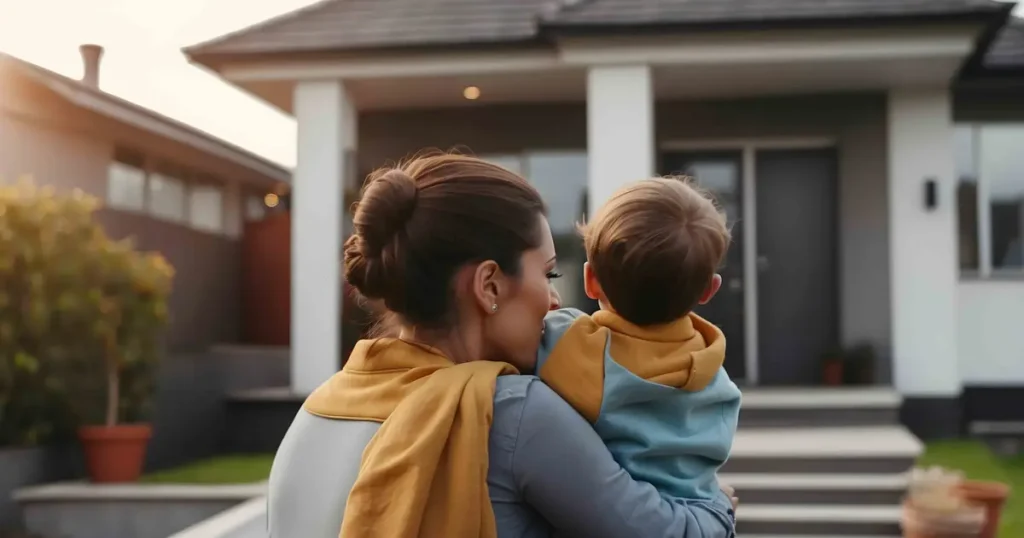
407 65
801 47
748 171
820 513
822 398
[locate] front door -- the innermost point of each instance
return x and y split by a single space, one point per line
797 288
721 174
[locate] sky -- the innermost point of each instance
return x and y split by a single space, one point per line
144 64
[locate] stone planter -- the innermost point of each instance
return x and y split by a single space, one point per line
21 467
84 510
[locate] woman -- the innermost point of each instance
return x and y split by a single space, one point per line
432 433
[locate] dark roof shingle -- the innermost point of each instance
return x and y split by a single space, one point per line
361 24
345 25
1007 51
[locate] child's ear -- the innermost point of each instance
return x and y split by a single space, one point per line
590 284
712 289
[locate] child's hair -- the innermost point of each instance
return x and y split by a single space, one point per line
654 247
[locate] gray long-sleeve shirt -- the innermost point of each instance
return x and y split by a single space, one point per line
550 474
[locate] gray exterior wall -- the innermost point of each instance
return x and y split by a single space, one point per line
856 122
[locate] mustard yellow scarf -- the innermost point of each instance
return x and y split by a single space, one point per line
424 473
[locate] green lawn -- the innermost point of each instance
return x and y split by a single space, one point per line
220 470
977 462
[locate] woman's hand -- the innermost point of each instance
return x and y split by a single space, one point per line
731 492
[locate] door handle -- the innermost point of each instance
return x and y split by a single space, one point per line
762 263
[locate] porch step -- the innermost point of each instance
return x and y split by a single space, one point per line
818 489
862 450
839 406
818 520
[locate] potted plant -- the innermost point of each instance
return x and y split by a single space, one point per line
934 507
860 365
832 367
88 313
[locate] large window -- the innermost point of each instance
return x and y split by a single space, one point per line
990 169
561 178
165 190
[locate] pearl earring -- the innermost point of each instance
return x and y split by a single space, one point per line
494 308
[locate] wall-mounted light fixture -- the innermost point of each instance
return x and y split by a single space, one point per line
931 193
471 92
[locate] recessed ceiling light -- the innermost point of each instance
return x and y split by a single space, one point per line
471 92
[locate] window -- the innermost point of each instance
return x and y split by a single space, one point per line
167 195
206 207
990 169
512 162
126 180
255 209
561 178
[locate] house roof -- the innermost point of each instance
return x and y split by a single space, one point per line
352 25
1007 51
87 97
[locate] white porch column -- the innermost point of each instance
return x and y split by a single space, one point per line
923 245
620 129
326 129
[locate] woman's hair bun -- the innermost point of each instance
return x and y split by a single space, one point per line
375 254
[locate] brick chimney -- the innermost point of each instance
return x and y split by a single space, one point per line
91 55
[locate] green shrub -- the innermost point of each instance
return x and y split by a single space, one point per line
80 317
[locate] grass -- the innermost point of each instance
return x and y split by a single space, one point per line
220 470
977 462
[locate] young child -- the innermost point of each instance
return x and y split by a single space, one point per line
645 370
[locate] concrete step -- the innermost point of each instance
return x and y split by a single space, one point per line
848 489
839 406
817 520
861 449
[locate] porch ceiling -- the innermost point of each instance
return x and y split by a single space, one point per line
671 82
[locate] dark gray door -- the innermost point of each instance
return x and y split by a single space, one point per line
721 173
796 264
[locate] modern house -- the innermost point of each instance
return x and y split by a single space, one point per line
868 152
174 188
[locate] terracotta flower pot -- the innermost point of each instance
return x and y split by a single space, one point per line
991 495
917 523
832 372
115 453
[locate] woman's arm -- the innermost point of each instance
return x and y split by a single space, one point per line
564 471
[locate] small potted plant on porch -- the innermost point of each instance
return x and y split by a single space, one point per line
833 367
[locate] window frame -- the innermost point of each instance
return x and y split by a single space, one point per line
985 270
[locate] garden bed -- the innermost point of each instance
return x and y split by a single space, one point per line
161 505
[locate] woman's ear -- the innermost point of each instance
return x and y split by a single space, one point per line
487 285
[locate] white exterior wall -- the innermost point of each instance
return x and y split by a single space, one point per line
326 130
923 253
620 129
991 332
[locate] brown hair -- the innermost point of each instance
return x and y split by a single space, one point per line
417 223
654 247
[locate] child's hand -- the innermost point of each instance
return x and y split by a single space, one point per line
731 492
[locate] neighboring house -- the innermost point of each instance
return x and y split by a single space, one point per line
173 188
848 141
